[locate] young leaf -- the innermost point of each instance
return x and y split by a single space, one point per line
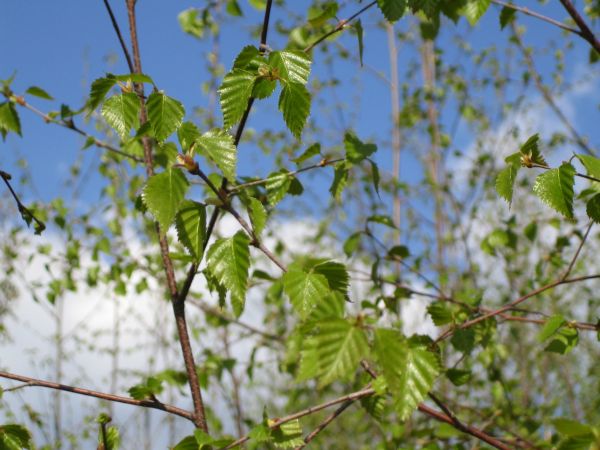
294 103
249 57
458 377
359 34
530 152
550 327
475 9
15 437
506 178
507 16
263 88
440 314
336 275
228 260
258 215
38 92
311 151
383 220
277 186
163 194
340 347
375 176
356 150
352 243
191 227
392 9
409 370
564 340
121 112
555 188
304 289
187 135
340 180
165 114
292 66
218 146
134 78
287 435
592 165
100 87
9 119
593 208
235 91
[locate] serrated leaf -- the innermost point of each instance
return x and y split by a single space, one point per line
550 327
121 112
191 227
555 188
592 208
392 9
218 146
375 406
340 346
258 215
15 437
248 57
569 427
228 260
305 290
287 435
38 92
163 194
277 186
356 150
591 164
311 151
409 370
135 78
292 66
336 275
187 135
235 91
563 341
440 313
340 180
475 9
263 88
9 119
507 16
294 103
530 152
100 87
458 377
505 180
165 114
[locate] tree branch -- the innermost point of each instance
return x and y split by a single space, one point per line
119 36
531 13
586 32
154 404
26 213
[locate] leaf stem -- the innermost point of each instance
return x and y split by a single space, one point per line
25 212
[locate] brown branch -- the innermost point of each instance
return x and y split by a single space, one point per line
177 301
119 35
576 255
324 424
531 13
26 213
154 404
339 27
586 32
547 95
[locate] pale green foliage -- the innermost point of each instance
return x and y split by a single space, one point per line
217 146
235 91
506 178
191 228
258 215
475 9
163 194
555 188
228 260
165 114
592 165
9 119
121 112
291 66
15 437
294 103
304 289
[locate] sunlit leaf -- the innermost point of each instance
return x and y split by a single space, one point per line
235 91
9 119
191 227
165 114
475 9
592 165
292 66
218 146
356 150
258 215
99 89
38 92
121 112
304 289
555 188
294 103
163 194
506 178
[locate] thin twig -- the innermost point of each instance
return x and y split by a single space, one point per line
154 404
339 27
586 32
531 13
576 255
25 212
119 36
324 424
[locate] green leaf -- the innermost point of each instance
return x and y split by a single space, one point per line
359 34
383 220
555 188
121 112
507 16
258 215
409 370
287 435
190 22
319 15
99 89
530 152
340 346
591 164
187 443
291 66
593 208
163 194
375 176
38 92
135 78
304 289
475 9
356 150
233 8
9 119
187 135
440 314
392 9
278 184
351 244
15 437
294 103
550 327
458 377
235 91
335 273
148 389
218 146
506 178
248 58
564 340
228 260
311 151
340 180
165 114
571 428
191 228
263 88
